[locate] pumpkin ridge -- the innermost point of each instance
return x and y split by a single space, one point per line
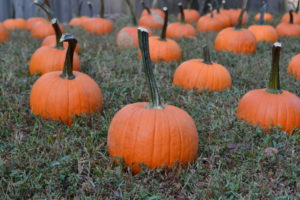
180 136
47 100
153 140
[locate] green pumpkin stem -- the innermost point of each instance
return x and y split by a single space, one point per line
190 4
262 14
133 16
240 20
50 14
274 83
182 17
79 9
146 8
58 33
68 66
102 8
143 36
291 17
206 55
164 29
90 8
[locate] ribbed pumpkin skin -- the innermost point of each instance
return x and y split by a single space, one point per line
31 21
128 37
294 66
41 30
288 30
154 137
209 24
265 109
78 21
161 51
264 33
152 21
224 19
267 17
234 16
51 42
47 59
15 24
286 18
4 34
195 74
178 30
190 15
237 41
153 12
98 26
59 99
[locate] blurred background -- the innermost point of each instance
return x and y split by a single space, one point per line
66 9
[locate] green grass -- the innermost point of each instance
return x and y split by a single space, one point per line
48 160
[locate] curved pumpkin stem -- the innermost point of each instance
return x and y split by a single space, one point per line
47 3
68 66
164 29
79 9
133 16
240 21
58 34
50 14
102 7
143 36
291 17
145 7
190 4
182 20
90 8
262 13
274 83
206 54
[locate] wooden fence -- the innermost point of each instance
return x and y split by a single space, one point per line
66 9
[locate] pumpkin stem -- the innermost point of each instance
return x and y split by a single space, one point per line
240 21
297 9
46 2
102 7
206 55
145 7
13 11
182 20
164 29
68 66
190 4
291 17
211 10
143 36
58 34
90 8
133 16
222 6
262 13
45 8
274 83
79 9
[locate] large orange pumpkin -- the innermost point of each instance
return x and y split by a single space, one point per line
294 66
152 134
202 74
271 106
262 32
237 39
179 30
163 49
60 95
4 34
209 23
288 29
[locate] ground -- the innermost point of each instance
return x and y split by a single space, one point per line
42 159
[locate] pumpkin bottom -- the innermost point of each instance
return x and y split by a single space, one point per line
267 110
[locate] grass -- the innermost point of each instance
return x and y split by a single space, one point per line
42 159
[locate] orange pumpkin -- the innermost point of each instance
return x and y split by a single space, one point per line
202 74
33 20
296 17
15 24
294 66
237 40
60 95
264 33
271 106
77 21
190 15
288 29
4 34
209 23
51 41
222 16
153 134
267 17
151 19
179 30
151 11
163 49
234 17
96 25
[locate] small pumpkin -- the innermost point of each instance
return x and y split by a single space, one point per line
209 23
190 15
234 17
151 11
60 95
179 30
151 20
163 49
236 39
262 32
267 17
4 34
33 20
152 133
78 20
294 66
222 16
15 24
286 18
271 106
202 74
288 29
50 58
96 25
